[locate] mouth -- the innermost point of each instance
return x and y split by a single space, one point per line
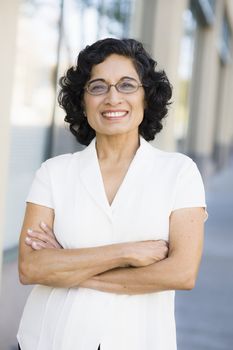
115 115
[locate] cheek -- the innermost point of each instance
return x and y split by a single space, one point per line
140 111
91 109
140 105
92 103
141 101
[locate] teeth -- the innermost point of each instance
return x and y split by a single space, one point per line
114 114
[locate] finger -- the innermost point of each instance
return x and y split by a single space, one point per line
44 237
35 238
163 242
28 241
47 229
36 245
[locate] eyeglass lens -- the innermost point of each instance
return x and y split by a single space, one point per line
99 87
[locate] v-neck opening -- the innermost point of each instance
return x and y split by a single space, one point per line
125 178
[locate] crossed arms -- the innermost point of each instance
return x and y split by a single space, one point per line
124 268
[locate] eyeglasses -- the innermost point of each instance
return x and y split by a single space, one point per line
100 87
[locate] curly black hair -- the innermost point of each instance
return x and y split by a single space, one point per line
158 90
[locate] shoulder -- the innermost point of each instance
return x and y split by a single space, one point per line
61 162
59 168
58 171
172 160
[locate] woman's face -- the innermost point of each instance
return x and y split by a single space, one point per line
113 112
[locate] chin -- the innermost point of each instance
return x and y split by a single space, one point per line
116 131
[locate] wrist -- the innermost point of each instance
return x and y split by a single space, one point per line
124 254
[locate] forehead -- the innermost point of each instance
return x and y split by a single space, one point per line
113 68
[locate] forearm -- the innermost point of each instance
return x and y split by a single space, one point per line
68 267
164 275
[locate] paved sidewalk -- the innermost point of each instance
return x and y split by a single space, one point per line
204 315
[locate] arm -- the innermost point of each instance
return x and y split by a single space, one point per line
61 267
178 271
69 267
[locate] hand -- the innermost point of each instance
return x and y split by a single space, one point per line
42 240
145 253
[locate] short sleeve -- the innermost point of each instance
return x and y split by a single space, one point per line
41 191
189 190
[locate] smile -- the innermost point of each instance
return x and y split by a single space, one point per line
114 114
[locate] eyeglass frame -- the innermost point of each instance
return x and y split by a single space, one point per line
115 85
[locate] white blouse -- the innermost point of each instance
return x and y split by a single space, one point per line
156 183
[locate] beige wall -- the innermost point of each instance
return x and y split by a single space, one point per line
8 25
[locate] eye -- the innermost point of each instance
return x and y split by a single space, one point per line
97 87
127 85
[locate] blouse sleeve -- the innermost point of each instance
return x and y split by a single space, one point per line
41 191
189 190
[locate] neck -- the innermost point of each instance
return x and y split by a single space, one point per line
117 146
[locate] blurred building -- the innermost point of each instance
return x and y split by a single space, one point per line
191 40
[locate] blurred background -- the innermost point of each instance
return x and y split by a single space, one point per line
192 41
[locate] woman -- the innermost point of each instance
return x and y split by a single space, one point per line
110 232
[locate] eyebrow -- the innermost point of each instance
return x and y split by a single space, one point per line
101 79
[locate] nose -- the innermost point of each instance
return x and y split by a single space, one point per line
113 97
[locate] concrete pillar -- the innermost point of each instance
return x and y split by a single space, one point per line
230 107
224 129
160 29
224 126
8 29
204 93
229 11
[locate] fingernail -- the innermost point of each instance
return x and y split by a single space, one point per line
34 244
27 239
43 224
29 230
